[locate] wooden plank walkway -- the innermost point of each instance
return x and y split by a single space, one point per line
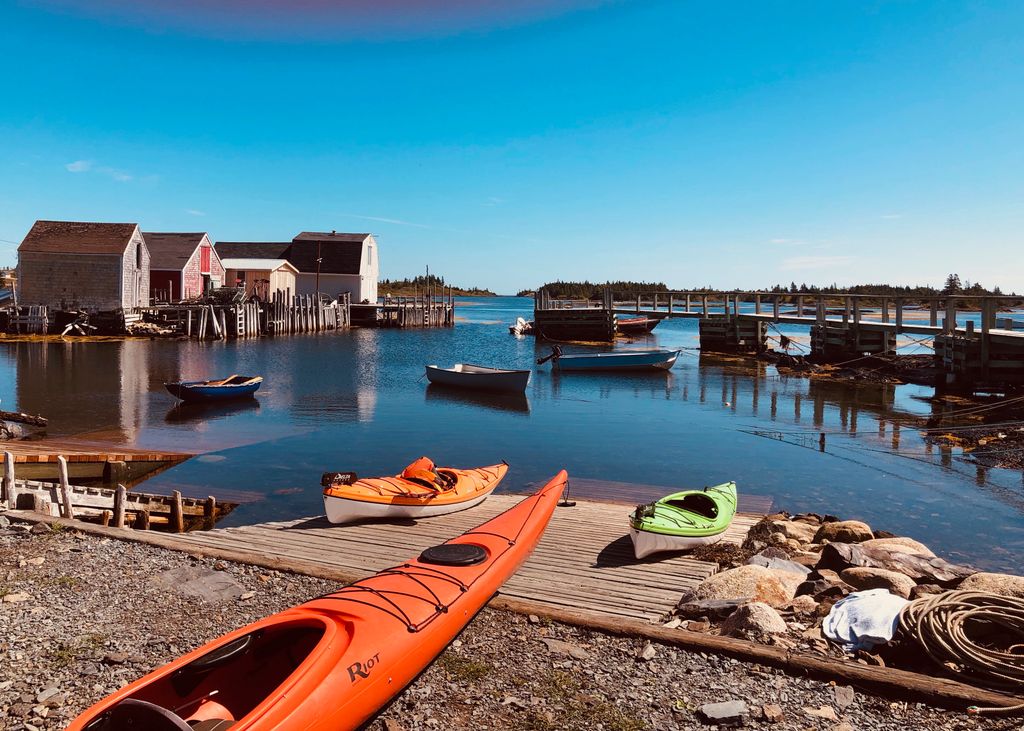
584 562
86 459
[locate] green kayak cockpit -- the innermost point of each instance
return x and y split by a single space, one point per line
689 513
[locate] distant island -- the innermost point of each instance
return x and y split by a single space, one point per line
418 285
593 290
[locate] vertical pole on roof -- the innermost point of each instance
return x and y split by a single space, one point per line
318 260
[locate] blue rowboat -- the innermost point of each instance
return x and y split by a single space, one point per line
633 360
226 388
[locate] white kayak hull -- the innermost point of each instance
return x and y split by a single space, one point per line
479 378
646 543
346 510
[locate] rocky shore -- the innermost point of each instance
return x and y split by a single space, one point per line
81 616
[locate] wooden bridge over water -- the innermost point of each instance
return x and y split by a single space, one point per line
974 339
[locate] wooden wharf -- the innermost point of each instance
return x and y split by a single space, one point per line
584 561
282 314
92 461
427 310
843 326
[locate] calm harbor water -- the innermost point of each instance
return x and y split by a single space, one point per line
358 401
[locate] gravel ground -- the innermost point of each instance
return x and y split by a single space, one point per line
89 615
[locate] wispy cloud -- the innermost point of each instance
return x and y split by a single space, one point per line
194 212
87 166
796 263
381 219
493 201
892 216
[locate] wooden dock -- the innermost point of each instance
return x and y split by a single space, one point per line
92 461
584 562
844 326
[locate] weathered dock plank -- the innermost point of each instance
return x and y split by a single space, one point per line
585 560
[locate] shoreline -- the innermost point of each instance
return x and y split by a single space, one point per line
503 671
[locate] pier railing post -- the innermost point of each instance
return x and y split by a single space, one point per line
899 316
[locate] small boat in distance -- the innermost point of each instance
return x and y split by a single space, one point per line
332 663
480 378
637 360
635 325
420 491
521 327
225 388
683 520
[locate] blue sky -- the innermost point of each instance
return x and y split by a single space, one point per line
695 143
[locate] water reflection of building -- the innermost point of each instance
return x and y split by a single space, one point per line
73 386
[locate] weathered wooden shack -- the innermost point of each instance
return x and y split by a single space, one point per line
329 263
76 265
183 266
260 278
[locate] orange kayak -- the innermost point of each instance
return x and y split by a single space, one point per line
330 664
420 491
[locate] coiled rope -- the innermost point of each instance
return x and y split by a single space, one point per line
975 635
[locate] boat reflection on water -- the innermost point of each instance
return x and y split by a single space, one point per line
516 403
209 410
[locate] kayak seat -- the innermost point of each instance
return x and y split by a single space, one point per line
132 713
423 477
697 503
213 724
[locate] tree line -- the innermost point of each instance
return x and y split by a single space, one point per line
952 286
420 283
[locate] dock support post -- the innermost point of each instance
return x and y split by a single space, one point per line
899 316
177 513
210 513
885 309
119 497
12 499
65 488
933 318
687 301
775 307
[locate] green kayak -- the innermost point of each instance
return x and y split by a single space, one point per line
683 520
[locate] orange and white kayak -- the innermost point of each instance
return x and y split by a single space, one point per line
420 491
330 664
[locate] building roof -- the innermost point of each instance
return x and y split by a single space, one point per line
340 253
331 236
171 250
257 264
78 237
252 249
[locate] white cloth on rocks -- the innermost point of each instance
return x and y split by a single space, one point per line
864 619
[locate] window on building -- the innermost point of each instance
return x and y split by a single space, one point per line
369 255
138 256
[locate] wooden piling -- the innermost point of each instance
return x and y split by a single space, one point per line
177 513
65 488
9 489
119 495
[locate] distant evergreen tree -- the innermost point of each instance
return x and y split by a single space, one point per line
952 285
